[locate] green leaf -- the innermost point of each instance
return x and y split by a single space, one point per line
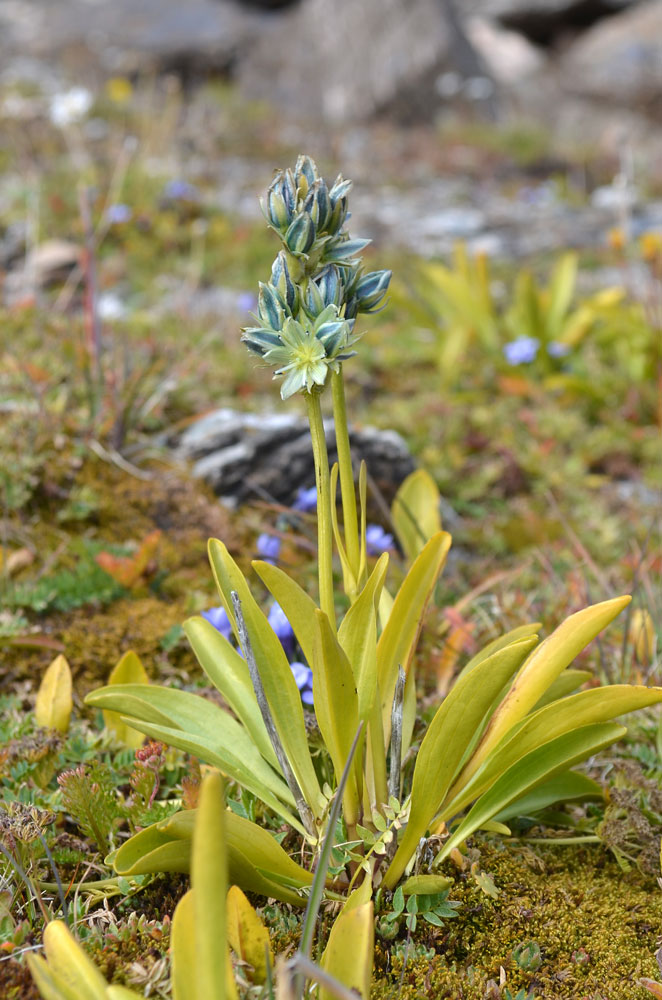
584 708
542 668
348 955
398 641
54 701
336 708
182 950
358 637
299 608
277 679
425 885
561 288
567 787
248 936
69 968
209 880
543 763
228 672
564 685
415 512
199 727
446 740
129 670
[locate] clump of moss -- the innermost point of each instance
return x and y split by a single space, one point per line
596 929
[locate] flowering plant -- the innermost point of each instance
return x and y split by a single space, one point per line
505 736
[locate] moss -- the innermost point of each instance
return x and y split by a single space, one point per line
596 929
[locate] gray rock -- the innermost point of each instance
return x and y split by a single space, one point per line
245 456
129 35
346 60
619 60
545 22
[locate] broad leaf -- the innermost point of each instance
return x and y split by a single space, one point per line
247 935
446 740
348 955
415 512
398 641
129 670
567 787
54 701
538 766
277 679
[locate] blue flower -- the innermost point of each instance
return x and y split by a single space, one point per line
218 617
303 676
306 500
377 540
246 302
118 214
268 546
281 626
179 190
521 351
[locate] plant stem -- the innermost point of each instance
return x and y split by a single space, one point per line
347 491
324 529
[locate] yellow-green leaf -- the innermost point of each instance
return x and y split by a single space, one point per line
349 951
209 880
129 670
358 637
54 702
446 740
228 672
567 787
336 708
415 512
582 709
69 964
182 950
277 679
541 764
397 642
299 608
247 935
542 668
425 885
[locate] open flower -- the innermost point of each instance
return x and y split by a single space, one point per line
377 540
268 546
303 676
281 626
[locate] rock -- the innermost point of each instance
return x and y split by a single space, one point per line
51 262
509 56
132 35
245 456
619 60
545 22
347 60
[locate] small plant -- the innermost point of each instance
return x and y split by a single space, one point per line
511 727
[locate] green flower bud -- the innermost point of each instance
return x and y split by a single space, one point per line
318 205
280 201
282 282
259 339
324 290
269 307
371 289
300 235
342 249
305 168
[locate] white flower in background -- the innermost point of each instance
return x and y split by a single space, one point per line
70 106
110 307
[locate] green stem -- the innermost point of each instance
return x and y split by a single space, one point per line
347 490
324 528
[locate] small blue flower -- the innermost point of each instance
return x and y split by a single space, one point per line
377 540
281 626
179 190
521 351
118 214
246 302
218 617
268 546
306 500
556 349
303 676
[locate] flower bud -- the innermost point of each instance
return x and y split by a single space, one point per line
318 205
325 290
300 235
371 289
281 200
305 168
269 307
282 282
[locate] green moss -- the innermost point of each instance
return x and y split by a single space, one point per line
596 929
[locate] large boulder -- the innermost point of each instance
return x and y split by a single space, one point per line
348 59
620 60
